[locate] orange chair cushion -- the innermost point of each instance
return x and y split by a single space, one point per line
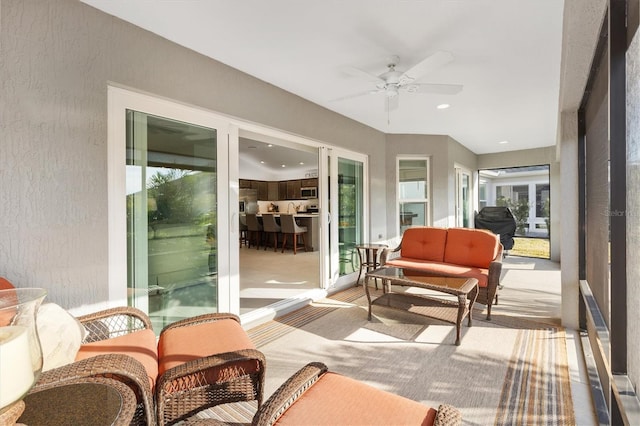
182 344
5 284
140 344
424 243
446 269
340 400
471 247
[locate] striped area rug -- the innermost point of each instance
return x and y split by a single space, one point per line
535 389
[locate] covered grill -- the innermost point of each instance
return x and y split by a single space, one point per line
498 220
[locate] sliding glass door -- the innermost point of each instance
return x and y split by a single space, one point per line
176 263
348 212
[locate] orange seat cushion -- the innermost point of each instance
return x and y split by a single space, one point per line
140 345
340 400
182 344
424 243
446 269
472 247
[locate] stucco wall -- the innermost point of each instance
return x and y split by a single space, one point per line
56 61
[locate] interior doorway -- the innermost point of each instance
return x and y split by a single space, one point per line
277 178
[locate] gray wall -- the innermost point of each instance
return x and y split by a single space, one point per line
445 153
433 146
57 59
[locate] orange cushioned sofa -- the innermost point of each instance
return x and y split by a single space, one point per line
458 252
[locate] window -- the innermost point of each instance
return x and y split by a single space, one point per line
413 192
542 200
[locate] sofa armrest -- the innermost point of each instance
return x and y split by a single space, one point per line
288 393
191 387
113 322
113 366
388 254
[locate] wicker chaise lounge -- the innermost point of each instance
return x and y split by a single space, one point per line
317 396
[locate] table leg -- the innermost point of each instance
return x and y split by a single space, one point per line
462 301
366 290
473 295
361 266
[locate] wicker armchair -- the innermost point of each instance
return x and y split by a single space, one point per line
361 404
198 380
104 325
205 381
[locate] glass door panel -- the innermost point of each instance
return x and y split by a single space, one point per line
172 221
348 217
463 198
350 213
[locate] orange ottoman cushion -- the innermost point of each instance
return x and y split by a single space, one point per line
471 247
424 243
182 344
140 345
340 400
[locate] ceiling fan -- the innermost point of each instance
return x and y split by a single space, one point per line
392 82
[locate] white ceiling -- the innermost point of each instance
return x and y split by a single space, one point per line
506 53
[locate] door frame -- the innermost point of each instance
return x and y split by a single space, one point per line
119 100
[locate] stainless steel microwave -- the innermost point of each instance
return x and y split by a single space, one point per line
309 192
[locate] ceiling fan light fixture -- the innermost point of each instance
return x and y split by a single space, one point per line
392 91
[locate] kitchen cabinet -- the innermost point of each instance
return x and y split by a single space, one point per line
262 188
244 184
282 190
309 183
293 189
273 191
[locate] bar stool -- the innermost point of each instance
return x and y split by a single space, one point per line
244 231
255 229
368 255
290 227
270 226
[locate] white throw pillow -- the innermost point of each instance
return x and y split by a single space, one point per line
60 335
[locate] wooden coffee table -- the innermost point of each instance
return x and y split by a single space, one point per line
466 289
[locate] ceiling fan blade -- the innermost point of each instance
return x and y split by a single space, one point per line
441 89
422 68
362 75
357 95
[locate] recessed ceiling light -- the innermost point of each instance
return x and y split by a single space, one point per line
284 165
270 145
302 163
262 162
503 142
443 106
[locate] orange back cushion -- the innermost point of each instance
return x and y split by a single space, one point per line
424 243
471 247
5 284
